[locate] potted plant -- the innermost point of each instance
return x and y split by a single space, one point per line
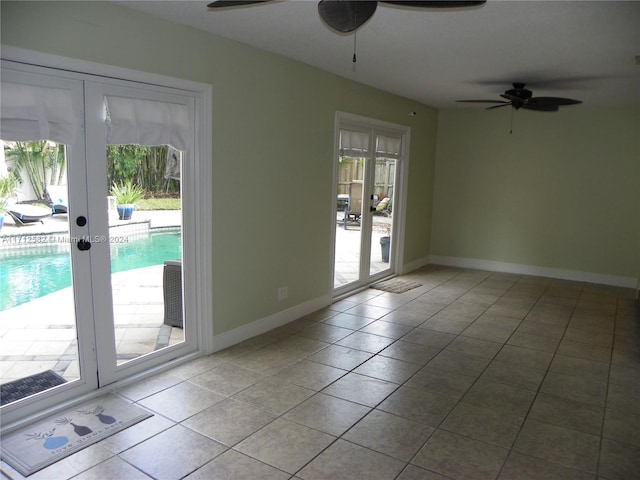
126 195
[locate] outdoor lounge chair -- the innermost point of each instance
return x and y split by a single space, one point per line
172 289
353 207
58 198
23 213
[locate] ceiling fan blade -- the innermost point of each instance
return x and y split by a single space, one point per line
346 16
481 101
540 108
438 3
506 104
234 3
553 101
510 97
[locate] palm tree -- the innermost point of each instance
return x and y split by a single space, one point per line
43 162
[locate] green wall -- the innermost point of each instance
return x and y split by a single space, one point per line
273 133
562 191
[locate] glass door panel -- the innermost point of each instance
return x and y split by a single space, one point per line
349 220
382 214
145 236
38 332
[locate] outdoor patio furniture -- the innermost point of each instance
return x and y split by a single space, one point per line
342 200
58 198
172 289
353 208
24 213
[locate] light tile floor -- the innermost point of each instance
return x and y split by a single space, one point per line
474 375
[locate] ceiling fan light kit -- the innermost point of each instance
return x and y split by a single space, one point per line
519 97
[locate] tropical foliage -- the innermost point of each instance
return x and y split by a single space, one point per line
42 162
8 186
126 193
144 166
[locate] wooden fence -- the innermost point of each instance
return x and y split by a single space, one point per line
350 169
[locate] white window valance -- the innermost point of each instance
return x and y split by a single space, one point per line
31 113
147 122
354 144
388 147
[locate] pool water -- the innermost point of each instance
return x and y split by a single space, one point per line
33 272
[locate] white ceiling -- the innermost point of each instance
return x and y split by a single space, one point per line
579 49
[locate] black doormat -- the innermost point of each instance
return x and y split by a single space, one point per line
24 387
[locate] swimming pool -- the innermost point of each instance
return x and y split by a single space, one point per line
33 272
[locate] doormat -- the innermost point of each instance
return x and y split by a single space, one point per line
40 444
396 286
23 387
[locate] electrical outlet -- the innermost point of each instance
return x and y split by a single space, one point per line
283 293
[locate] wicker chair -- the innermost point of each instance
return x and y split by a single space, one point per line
172 288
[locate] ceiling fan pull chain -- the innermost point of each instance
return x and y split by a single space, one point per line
511 126
355 35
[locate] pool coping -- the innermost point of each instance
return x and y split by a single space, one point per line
43 234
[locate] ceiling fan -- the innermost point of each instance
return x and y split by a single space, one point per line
519 97
346 16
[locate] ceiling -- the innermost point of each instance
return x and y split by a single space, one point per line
586 50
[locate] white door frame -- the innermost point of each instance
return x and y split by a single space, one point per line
197 216
396 256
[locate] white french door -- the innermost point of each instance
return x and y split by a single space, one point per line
100 330
370 175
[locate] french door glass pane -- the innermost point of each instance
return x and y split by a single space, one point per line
382 220
38 333
146 248
349 204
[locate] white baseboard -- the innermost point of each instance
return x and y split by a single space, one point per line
575 275
244 332
416 264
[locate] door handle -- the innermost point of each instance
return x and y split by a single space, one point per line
84 244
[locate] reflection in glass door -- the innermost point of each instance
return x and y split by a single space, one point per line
366 192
